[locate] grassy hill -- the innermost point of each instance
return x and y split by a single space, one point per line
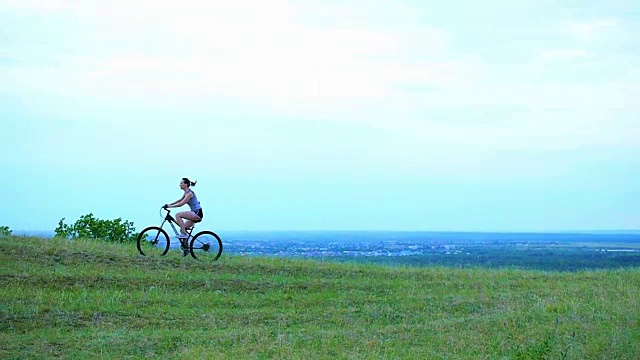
86 299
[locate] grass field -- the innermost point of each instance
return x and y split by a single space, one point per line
85 299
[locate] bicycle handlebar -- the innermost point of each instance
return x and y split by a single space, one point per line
165 209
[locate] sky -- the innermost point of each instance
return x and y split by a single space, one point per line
323 115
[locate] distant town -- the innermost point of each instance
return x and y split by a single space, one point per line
536 251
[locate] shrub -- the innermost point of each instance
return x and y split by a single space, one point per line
5 231
90 227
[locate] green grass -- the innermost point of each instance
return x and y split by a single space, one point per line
86 299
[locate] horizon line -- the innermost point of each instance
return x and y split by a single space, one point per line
635 231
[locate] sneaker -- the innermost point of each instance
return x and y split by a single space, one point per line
185 252
183 236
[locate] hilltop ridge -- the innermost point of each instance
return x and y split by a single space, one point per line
82 298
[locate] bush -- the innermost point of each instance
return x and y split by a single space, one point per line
90 227
5 231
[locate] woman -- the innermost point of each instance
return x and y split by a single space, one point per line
193 216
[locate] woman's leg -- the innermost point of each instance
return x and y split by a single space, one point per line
190 216
188 224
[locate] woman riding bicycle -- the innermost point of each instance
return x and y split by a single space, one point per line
193 216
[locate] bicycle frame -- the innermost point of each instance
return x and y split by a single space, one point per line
173 221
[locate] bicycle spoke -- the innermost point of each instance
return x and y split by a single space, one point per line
206 246
153 242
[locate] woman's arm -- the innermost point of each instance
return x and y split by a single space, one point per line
171 204
185 199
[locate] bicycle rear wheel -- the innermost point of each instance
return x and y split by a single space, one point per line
153 242
206 246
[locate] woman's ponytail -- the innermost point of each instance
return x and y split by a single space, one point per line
189 182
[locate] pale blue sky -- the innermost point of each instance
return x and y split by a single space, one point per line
312 115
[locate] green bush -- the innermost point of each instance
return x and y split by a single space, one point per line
89 227
5 231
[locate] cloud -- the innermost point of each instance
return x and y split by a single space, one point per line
564 54
588 30
246 49
40 6
293 60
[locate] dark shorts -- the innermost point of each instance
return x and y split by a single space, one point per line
199 213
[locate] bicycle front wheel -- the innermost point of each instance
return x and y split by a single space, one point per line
206 246
153 242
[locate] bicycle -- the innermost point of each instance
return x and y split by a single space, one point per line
154 241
